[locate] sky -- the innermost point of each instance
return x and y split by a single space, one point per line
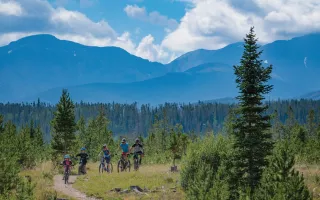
158 30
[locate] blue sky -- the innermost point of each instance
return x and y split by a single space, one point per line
158 30
113 12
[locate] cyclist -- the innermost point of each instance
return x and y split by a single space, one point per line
67 164
125 148
106 156
137 149
83 159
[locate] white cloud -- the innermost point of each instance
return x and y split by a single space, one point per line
147 49
212 24
8 37
153 17
276 76
125 42
78 23
305 62
209 24
70 25
135 11
10 8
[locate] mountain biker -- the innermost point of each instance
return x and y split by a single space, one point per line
125 148
137 149
83 159
106 155
67 163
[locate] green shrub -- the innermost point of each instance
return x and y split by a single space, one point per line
206 168
280 180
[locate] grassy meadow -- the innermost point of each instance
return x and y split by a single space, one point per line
161 183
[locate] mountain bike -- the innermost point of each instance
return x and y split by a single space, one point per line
124 165
66 174
102 166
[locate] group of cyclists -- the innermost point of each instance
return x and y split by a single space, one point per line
137 149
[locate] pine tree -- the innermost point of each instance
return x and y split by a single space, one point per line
253 138
1 124
32 130
64 125
278 129
318 132
301 135
27 157
38 138
81 127
311 124
280 179
9 157
290 121
228 125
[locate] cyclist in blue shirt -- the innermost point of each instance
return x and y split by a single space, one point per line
125 148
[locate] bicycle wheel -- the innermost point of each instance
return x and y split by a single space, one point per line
136 164
120 166
66 177
101 168
79 170
128 165
110 168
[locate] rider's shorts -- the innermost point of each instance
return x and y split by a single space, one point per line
107 158
124 153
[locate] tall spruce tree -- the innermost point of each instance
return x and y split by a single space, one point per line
64 125
253 140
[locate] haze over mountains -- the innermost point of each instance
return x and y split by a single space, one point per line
41 65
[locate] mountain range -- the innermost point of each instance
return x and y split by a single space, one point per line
40 66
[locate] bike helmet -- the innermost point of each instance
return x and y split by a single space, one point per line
105 145
83 149
123 140
137 140
66 156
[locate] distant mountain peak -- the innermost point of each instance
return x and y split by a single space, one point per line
33 65
311 95
36 38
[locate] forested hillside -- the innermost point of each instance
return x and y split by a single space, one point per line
136 120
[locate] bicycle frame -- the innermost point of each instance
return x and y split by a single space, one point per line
104 166
66 175
125 164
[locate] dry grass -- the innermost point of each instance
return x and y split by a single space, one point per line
42 176
311 174
152 177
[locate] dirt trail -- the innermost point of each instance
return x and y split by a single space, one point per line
67 189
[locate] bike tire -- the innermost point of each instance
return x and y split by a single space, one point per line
120 166
66 178
128 166
101 168
111 168
136 164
